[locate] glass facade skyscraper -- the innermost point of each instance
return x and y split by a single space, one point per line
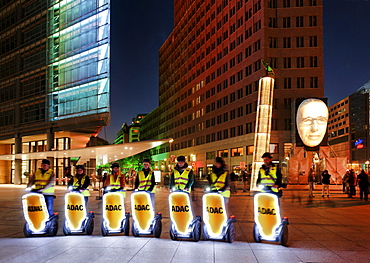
77 58
54 77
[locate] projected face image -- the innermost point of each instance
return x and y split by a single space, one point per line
312 119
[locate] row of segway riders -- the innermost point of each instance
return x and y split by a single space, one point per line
38 205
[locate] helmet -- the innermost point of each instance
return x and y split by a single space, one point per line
267 155
45 161
114 165
181 158
80 167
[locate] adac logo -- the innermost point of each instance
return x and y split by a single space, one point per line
75 207
266 211
180 208
35 208
142 207
113 207
215 210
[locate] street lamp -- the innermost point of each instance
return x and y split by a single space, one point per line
171 141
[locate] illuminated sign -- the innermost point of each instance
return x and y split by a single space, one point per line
359 144
180 211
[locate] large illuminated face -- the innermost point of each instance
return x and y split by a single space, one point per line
312 120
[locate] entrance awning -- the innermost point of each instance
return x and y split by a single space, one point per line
102 154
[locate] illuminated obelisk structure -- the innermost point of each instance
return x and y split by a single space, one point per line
263 121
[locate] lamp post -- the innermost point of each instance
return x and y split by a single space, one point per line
170 162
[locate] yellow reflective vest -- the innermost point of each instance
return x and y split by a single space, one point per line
181 180
75 184
145 182
116 184
41 181
270 179
218 183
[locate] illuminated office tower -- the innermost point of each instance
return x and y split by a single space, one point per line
209 70
54 78
78 58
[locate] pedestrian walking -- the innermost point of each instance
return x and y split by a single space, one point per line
325 183
351 181
234 180
345 182
311 182
245 178
363 184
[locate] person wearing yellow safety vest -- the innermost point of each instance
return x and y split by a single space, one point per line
80 183
269 176
145 180
182 177
219 179
43 182
115 182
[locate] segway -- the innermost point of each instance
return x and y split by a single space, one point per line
77 219
37 217
115 220
269 226
144 222
217 225
183 225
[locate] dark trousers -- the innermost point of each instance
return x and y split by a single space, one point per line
363 193
352 190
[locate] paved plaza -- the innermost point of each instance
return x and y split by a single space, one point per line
334 229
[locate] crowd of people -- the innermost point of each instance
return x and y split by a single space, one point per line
349 182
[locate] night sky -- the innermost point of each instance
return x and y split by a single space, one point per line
139 28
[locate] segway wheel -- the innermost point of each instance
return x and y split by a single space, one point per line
66 231
283 236
134 231
26 230
230 233
172 234
158 229
256 234
126 228
205 233
196 231
104 231
53 228
89 226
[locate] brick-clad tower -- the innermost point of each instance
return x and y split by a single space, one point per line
210 66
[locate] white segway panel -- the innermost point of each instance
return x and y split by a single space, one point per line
113 210
35 211
267 215
180 211
75 210
214 214
142 210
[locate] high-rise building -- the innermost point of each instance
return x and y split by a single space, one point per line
339 128
54 77
209 69
130 133
348 128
